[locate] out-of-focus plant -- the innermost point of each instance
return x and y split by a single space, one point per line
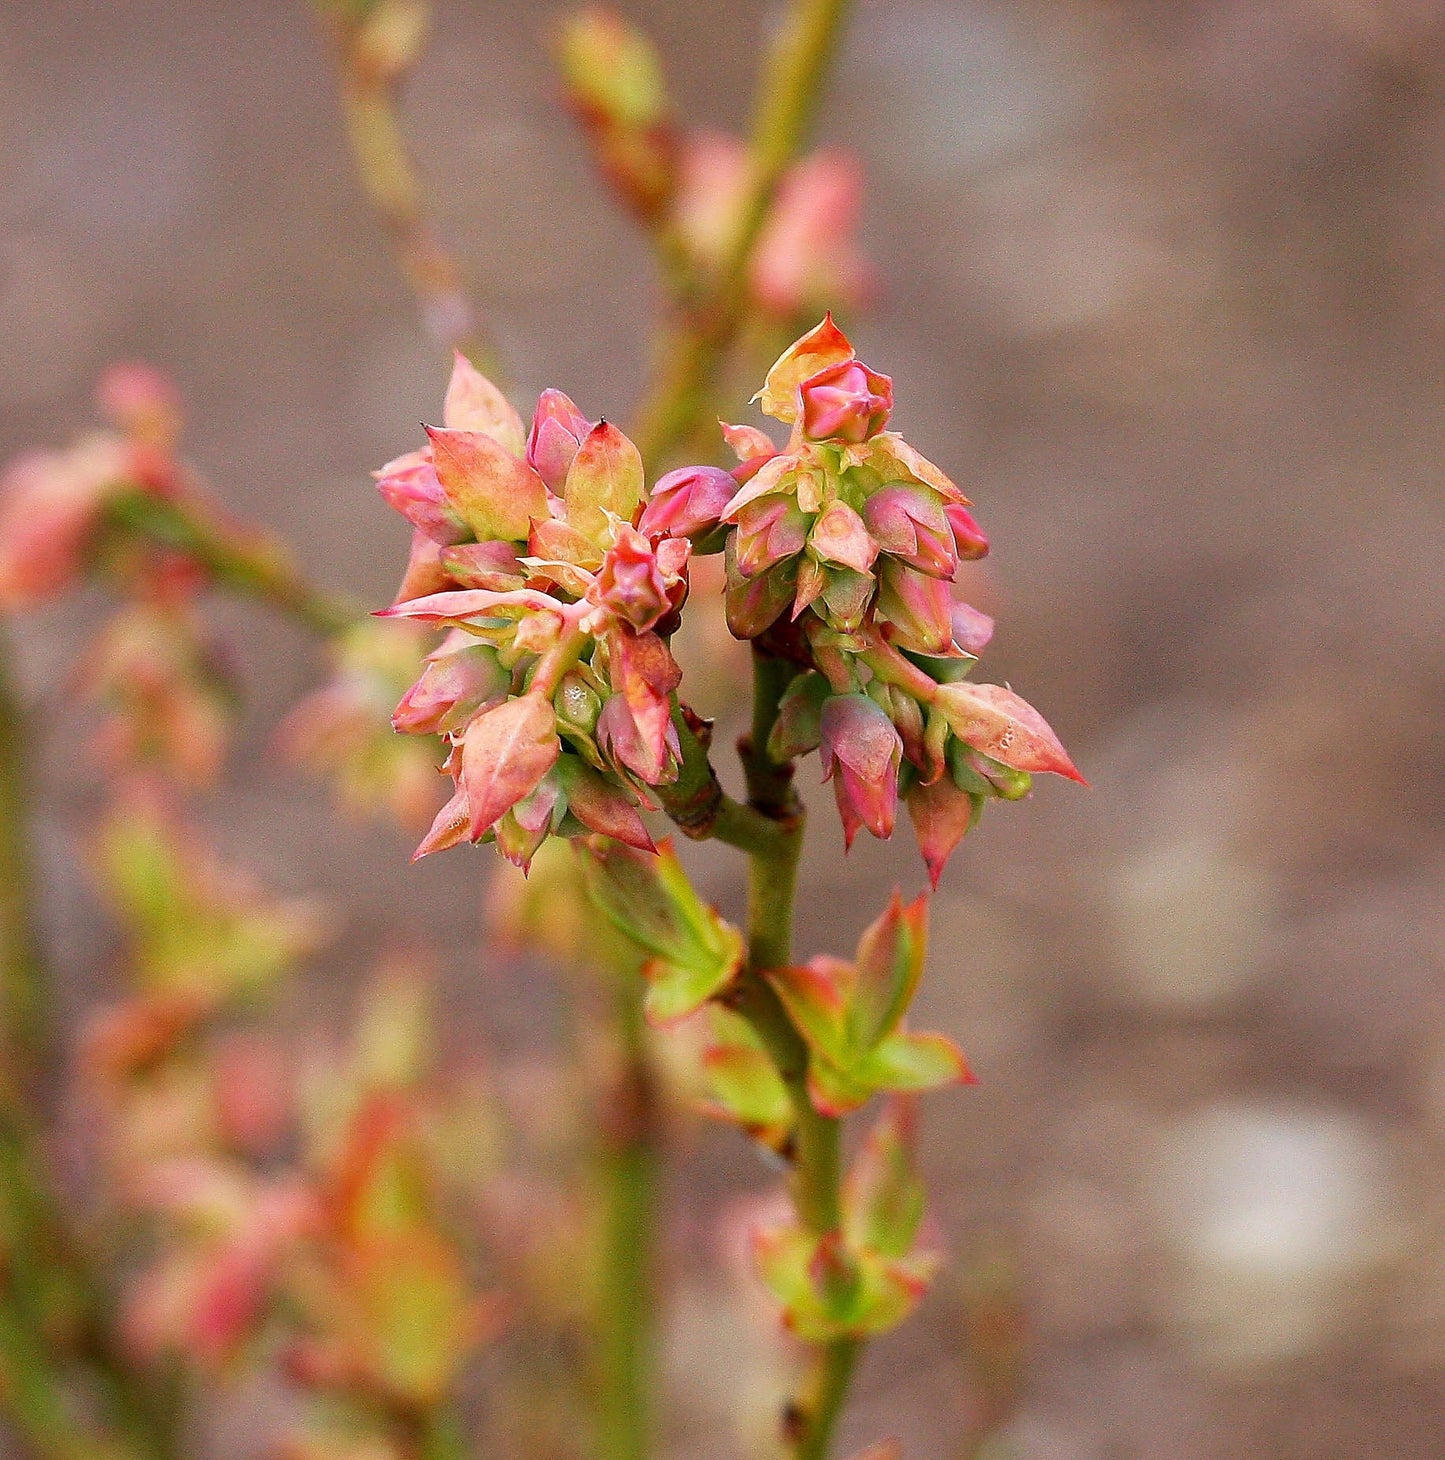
369 1228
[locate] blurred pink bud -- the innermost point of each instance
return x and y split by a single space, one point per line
50 504
969 538
558 429
688 502
911 524
917 608
138 400
861 752
461 678
846 402
972 629
807 255
253 1091
769 530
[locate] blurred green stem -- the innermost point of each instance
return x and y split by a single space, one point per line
704 329
630 1153
246 563
24 1007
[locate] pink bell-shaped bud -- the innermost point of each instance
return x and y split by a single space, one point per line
910 523
558 429
688 502
970 540
846 402
861 752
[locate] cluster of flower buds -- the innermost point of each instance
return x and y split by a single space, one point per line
554 689
841 552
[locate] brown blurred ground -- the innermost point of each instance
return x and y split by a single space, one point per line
1164 287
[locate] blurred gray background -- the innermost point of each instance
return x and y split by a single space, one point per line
1162 287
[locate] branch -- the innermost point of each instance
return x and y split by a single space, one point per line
376 46
247 563
788 96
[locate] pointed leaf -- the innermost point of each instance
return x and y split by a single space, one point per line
822 346
889 963
916 1062
600 806
816 998
494 492
605 476
942 815
883 1197
505 753
473 403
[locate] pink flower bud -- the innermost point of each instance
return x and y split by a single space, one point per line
50 504
993 719
969 538
910 523
807 255
410 485
558 429
917 609
138 400
769 530
861 752
688 502
846 402
623 742
972 629
461 678
632 584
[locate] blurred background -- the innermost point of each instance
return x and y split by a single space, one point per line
1163 286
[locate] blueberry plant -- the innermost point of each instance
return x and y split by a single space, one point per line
365 1228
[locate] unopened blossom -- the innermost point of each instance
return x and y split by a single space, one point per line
51 503
554 689
689 503
807 254
861 753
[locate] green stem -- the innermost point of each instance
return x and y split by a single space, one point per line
629 1170
702 334
817 1162
246 563
24 1007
